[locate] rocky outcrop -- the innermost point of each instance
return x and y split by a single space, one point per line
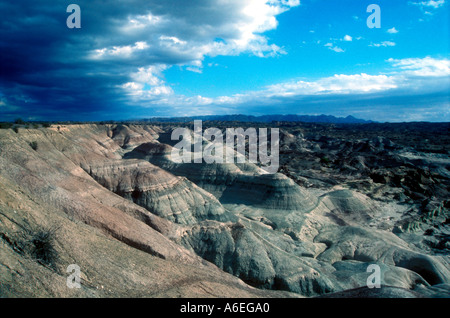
109 268
232 183
246 254
173 198
123 250
171 229
127 137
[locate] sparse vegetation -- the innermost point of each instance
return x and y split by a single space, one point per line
34 145
5 125
325 160
42 246
37 243
19 121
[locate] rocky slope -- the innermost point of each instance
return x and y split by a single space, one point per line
111 197
123 250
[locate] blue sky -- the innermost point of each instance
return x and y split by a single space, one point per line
303 33
137 59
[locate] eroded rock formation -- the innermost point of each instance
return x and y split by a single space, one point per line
121 204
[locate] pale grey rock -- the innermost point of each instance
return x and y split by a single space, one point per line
174 198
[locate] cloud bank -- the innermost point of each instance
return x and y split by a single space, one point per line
121 49
113 67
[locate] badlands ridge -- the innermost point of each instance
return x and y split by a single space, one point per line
110 199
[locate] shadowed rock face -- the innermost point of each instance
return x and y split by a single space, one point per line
214 229
383 292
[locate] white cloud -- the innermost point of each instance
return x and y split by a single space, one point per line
402 76
384 44
364 83
137 22
392 31
119 51
147 83
150 75
334 48
429 7
202 28
184 36
337 49
170 40
133 87
258 46
337 84
348 38
406 76
423 67
194 69
430 3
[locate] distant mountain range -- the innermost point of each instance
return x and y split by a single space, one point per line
265 119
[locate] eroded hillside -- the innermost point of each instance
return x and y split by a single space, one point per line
138 224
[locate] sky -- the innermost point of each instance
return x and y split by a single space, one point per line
138 59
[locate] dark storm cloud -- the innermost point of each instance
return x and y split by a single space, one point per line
50 71
43 72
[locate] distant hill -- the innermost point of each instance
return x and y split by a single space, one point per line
265 119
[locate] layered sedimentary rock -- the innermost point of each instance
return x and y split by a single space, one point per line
173 198
214 229
232 183
122 249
